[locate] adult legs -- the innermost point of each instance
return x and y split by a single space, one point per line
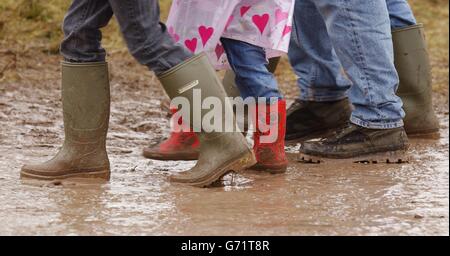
360 34
323 104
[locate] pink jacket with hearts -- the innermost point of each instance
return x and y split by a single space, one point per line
199 25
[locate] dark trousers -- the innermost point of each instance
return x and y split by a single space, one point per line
146 37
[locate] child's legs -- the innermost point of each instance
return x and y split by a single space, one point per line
249 62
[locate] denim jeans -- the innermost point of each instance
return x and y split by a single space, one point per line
400 14
146 38
331 36
249 63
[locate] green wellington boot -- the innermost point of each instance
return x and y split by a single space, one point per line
184 146
413 66
220 152
86 103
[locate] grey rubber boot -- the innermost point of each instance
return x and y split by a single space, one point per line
413 66
86 108
220 152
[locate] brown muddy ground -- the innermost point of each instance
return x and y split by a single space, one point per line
326 199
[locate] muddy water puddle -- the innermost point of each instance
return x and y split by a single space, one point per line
352 199
311 199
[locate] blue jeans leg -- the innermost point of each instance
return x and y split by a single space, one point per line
146 38
249 64
400 14
361 35
312 56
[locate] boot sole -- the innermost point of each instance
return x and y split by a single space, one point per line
236 165
271 169
384 157
172 157
434 134
102 175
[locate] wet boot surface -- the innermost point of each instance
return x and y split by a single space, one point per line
415 89
354 142
220 152
310 119
86 103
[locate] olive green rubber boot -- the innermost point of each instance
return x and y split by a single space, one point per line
86 107
232 91
220 152
183 146
413 66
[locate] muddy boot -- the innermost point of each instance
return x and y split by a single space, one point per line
413 66
184 146
180 146
312 119
220 152
86 102
271 156
353 142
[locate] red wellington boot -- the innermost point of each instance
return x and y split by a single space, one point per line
270 155
178 147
